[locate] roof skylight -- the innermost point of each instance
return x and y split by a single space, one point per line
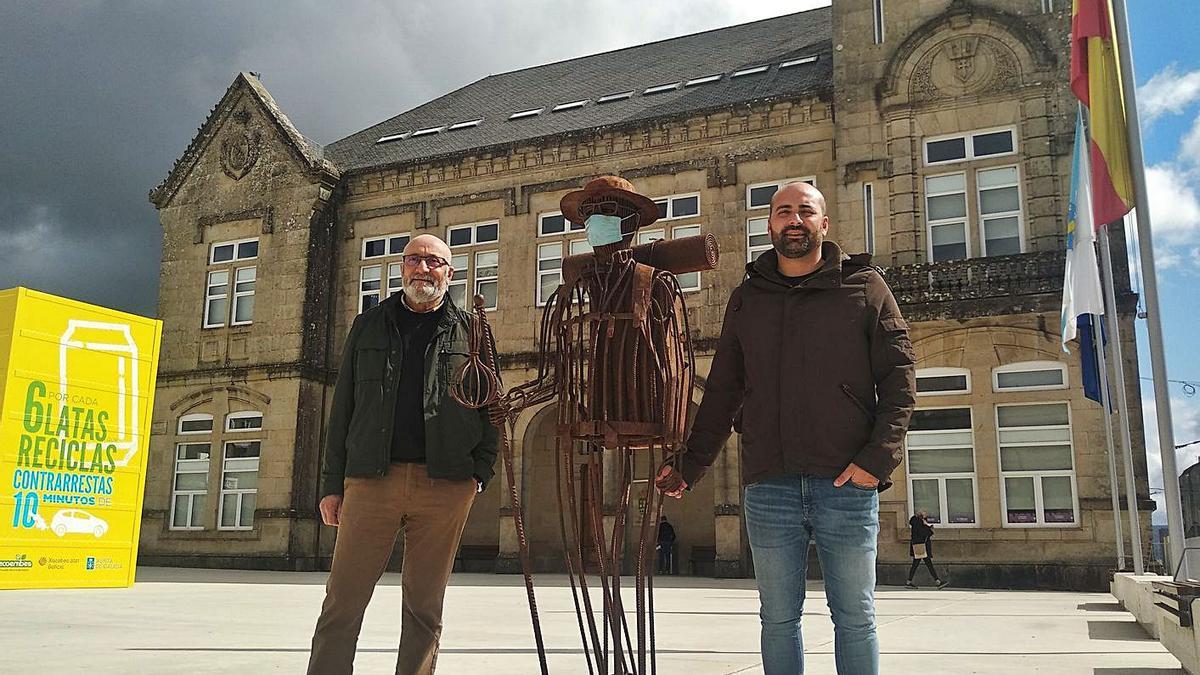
798 62
465 125
525 113
428 131
389 138
753 70
614 97
702 80
568 106
661 88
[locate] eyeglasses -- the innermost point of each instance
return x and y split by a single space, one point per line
433 262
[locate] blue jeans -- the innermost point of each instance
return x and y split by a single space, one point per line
782 515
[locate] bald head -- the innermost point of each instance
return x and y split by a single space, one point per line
428 244
799 188
426 271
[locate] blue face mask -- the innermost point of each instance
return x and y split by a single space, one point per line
603 230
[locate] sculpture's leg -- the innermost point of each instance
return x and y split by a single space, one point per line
572 551
522 544
620 623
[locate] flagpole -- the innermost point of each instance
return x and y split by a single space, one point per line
1097 333
1158 365
1110 299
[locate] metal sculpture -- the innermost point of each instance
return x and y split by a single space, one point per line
614 352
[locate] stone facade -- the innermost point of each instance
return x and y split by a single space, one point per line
942 69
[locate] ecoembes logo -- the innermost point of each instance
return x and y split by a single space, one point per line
20 562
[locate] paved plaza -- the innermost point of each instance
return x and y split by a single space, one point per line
193 622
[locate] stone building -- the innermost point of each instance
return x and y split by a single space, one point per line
940 132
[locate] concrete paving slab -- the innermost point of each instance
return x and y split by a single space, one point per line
198 622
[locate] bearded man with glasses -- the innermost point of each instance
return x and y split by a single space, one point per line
401 456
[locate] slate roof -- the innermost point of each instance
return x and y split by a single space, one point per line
494 98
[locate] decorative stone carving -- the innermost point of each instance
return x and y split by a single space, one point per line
239 150
964 65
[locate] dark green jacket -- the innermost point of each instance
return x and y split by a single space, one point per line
459 442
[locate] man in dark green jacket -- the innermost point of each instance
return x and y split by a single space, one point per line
815 368
400 456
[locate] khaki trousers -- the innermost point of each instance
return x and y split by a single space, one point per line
431 513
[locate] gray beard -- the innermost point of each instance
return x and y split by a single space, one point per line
424 292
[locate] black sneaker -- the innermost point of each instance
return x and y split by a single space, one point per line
943 583
909 584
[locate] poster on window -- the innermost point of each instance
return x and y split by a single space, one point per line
76 390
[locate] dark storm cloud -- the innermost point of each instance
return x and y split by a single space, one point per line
97 100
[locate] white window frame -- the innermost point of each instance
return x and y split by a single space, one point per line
194 417
671 199
474 227
236 243
869 217
752 251
569 228
188 466
687 288
241 415
239 296
941 478
387 245
1029 366
363 294
968 145
539 273
945 372
461 279
240 492
1039 503
209 296
479 282
811 180
1019 214
930 223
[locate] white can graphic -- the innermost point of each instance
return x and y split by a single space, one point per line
98 368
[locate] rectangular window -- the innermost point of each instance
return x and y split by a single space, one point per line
999 210
758 195
1037 464
943 381
487 272
239 485
200 423
946 213
243 295
368 287
580 246
233 251
556 223
379 247
216 299
1030 376
691 280
458 286
244 421
678 206
941 465
877 14
395 280
549 271
758 239
479 233
869 217
968 146
190 488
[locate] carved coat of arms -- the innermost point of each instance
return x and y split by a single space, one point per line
962 52
239 152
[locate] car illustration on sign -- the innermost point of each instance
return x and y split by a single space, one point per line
77 521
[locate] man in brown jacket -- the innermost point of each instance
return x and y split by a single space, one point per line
815 368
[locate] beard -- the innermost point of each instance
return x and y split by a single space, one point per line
796 247
425 290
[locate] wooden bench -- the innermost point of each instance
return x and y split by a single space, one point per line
1176 598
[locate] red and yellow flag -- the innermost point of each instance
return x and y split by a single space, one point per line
1096 81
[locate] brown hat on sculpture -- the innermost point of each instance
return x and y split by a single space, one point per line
615 193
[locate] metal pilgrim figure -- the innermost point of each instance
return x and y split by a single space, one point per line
614 351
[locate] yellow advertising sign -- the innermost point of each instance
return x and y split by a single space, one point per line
76 396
